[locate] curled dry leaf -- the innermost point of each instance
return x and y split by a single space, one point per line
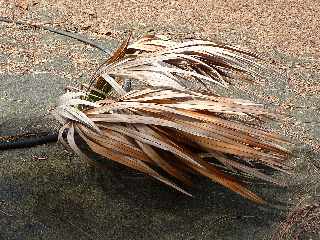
164 124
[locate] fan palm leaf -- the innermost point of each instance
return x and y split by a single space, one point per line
165 124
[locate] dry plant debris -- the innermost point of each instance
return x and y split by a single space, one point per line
303 220
166 123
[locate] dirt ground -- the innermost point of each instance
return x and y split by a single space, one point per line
48 193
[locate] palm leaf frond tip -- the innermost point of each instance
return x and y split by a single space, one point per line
165 124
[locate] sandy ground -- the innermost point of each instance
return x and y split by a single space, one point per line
46 194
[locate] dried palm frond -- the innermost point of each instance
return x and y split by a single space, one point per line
160 62
165 124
